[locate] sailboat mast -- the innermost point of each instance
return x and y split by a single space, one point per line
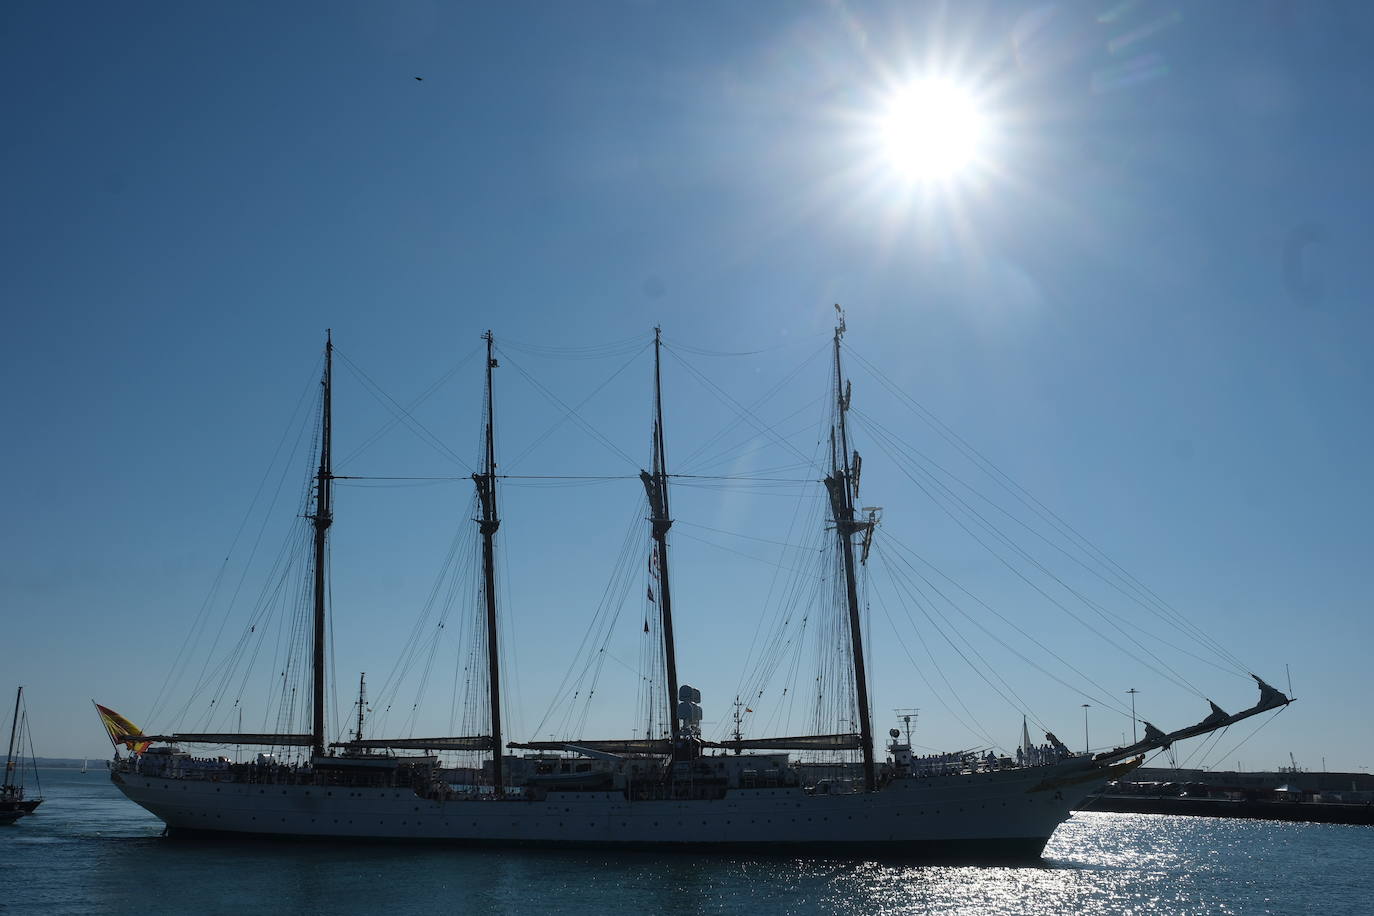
487 525
656 486
14 728
323 518
362 705
840 485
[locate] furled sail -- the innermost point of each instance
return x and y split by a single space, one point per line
1218 718
474 743
613 746
844 742
258 738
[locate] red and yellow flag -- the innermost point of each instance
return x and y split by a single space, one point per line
121 730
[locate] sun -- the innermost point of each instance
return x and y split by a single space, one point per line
932 130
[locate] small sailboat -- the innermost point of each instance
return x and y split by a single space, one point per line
14 802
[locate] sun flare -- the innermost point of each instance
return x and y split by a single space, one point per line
932 130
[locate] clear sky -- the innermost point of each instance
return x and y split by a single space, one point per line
1142 290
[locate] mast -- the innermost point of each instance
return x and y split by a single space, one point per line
738 734
487 525
323 518
362 705
842 485
14 728
656 486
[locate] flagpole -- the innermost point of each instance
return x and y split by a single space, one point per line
106 725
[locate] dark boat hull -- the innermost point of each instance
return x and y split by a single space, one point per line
1003 849
11 811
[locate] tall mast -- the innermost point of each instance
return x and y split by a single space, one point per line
323 518
487 524
362 705
14 728
841 485
656 486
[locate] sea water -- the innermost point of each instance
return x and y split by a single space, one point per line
90 850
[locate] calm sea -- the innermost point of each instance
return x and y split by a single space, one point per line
88 850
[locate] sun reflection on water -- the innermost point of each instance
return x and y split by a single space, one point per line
1095 864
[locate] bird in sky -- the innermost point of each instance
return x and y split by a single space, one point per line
419 79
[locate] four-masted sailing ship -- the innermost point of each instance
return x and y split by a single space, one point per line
676 790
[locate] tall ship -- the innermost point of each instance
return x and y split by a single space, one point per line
671 784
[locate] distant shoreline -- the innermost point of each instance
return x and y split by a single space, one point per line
69 763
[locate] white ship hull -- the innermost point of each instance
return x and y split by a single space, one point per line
1007 812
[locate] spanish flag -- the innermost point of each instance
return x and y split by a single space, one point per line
121 730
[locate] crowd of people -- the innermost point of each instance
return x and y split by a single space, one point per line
1041 755
939 764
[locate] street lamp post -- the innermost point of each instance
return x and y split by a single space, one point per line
1086 748
1133 692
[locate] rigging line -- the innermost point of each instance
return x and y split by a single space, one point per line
468 478
607 595
803 595
216 681
1185 627
763 399
439 478
805 480
752 491
889 538
223 673
261 619
1116 620
814 526
1026 498
567 476
973 729
755 485
739 553
1213 739
720 394
419 429
1246 739
33 755
731 456
1135 598
420 399
580 404
510 658
926 608
1168 673
971 454
198 623
333 657
899 581
624 344
557 484
701 351
749 537
460 545
396 485
202 680
571 412
455 579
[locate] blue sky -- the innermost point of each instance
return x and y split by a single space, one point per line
1148 304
